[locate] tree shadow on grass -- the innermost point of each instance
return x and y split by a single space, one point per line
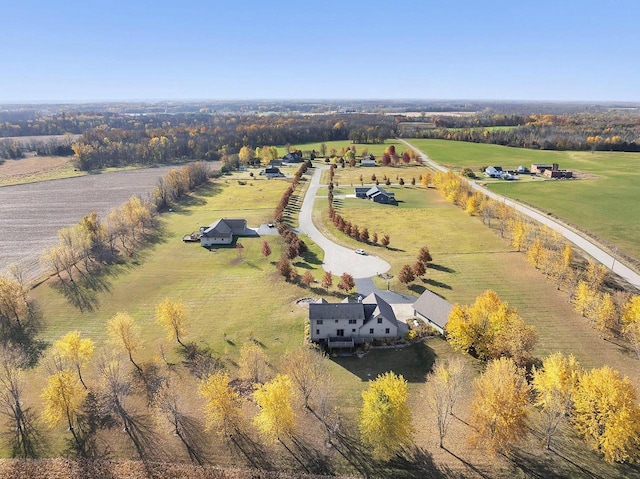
311 258
437 284
252 450
413 362
312 460
439 267
417 288
418 463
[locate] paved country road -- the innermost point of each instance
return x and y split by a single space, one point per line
580 241
337 259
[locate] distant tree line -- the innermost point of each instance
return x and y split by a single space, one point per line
599 132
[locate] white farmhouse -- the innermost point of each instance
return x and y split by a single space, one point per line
346 324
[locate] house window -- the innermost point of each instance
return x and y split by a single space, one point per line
336 321
379 320
353 321
353 330
371 331
340 333
386 331
318 332
318 322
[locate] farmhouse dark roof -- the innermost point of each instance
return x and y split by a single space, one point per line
225 227
336 311
380 307
432 306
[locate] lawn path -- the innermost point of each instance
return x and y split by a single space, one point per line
578 240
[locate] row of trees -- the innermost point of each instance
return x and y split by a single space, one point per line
588 284
86 246
409 273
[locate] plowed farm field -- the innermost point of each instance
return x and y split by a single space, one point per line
31 214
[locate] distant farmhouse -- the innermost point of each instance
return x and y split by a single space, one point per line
222 232
368 160
433 310
377 194
551 171
272 172
493 171
347 324
293 157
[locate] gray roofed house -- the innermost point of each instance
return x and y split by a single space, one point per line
346 324
433 309
223 231
380 195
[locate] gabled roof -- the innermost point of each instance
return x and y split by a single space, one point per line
225 227
336 311
432 306
376 190
380 307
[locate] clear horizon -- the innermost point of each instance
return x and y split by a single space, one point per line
80 52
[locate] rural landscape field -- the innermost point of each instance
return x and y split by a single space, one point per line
284 240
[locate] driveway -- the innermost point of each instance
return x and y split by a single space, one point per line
337 259
578 240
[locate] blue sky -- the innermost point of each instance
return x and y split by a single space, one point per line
217 49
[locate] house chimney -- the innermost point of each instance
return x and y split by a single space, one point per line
555 167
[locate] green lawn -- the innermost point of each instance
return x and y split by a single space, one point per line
375 149
605 204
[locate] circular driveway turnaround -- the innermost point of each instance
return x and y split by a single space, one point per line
337 259
580 241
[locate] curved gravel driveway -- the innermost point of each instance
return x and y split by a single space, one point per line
580 241
337 259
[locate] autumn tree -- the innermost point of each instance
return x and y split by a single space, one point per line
14 307
327 280
419 269
631 322
284 267
307 278
490 329
406 274
266 249
63 397
223 406
519 234
500 406
385 241
252 363
385 418
605 315
76 350
346 283
607 414
171 315
584 299
595 275
246 154
424 255
276 419
21 431
443 388
125 333
307 369
554 384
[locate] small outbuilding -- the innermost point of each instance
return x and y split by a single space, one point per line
433 310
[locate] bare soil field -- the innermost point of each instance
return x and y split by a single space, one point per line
34 168
31 214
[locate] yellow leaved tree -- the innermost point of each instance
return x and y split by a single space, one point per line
125 333
63 398
554 384
500 406
276 419
607 414
76 350
171 315
490 329
385 418
223 407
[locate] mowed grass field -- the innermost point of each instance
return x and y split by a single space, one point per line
607 205
376 150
